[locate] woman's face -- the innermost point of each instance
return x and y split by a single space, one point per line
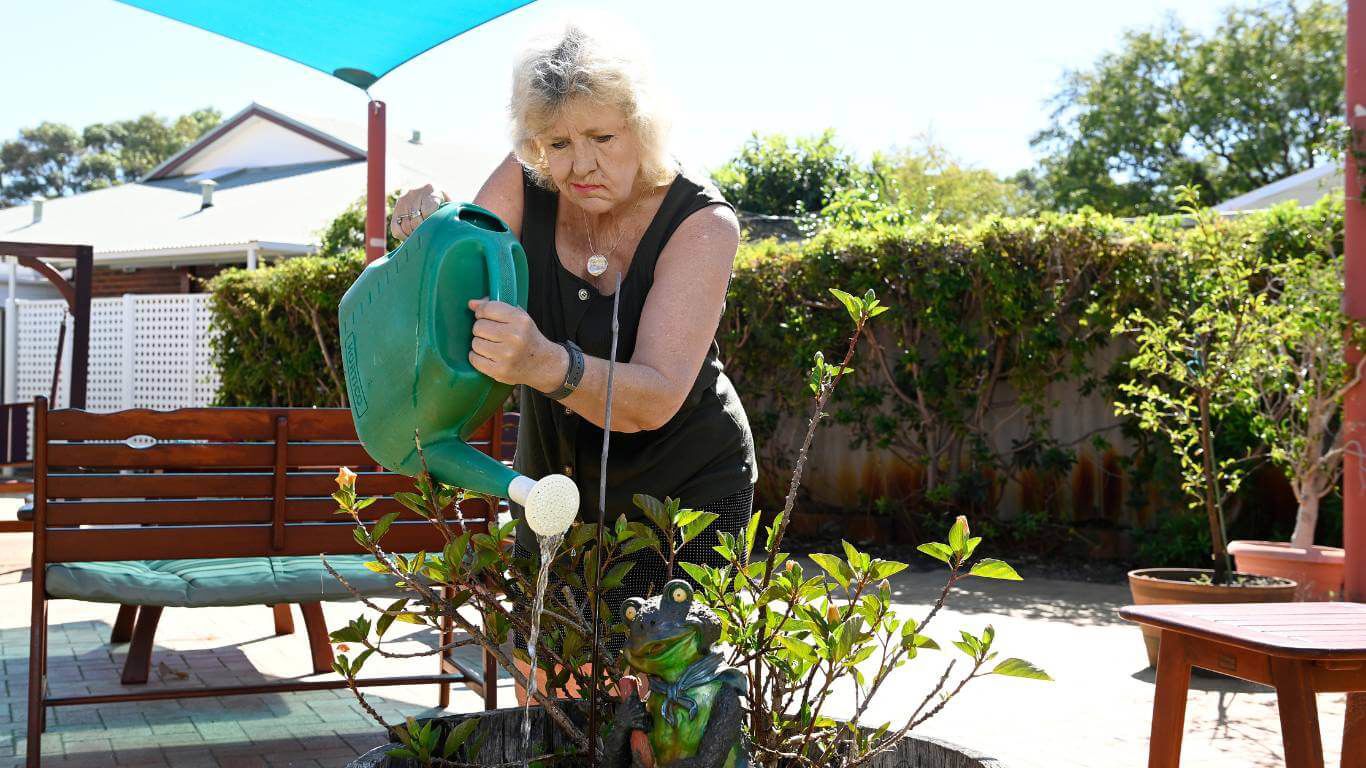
594 157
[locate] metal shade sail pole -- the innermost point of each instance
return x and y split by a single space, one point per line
1354 403
1354 304
375 202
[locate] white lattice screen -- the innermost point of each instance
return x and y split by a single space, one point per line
39 324
146 351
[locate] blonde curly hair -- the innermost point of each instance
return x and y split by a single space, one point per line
578 64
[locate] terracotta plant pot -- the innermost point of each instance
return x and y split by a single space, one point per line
1317 569
1163 586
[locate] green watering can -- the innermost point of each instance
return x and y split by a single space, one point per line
405 336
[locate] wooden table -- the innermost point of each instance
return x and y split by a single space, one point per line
1300 649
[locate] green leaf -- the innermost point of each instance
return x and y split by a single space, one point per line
1013 667
458 735
938 550
396 607
991 568
360 660
382 526
751 532
616 574
852 305
411 501
971 546
699 524
685 516
884 568
699 573
834 566
653 509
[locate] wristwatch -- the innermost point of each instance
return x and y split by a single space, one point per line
573 375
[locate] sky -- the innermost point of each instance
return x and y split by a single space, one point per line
973 76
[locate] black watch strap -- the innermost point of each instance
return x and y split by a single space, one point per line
573 375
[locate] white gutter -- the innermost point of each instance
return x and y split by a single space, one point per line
200 254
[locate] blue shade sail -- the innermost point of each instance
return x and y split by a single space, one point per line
358 41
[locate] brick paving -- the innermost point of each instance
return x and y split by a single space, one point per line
1096 714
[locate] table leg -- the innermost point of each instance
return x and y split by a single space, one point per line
1354 732
1299 714
1169 702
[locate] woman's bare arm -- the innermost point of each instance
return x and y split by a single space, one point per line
502 194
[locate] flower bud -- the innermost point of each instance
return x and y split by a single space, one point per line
346 478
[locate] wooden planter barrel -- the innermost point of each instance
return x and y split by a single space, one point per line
501 730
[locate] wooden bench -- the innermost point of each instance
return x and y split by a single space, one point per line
144 508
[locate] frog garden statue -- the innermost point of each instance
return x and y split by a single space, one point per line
692 715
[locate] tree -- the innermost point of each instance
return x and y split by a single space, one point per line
1258 99
779 176
53 159
926 178
810 176
346 232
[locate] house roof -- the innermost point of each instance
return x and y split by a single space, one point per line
280 180
1306 187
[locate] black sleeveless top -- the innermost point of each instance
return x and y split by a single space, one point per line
705 452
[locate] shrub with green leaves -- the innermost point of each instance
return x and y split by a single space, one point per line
276 340
796 634
1200 352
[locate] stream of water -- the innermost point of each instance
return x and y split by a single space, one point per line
549 544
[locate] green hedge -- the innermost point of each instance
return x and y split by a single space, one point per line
1017 303
1007 304
276 340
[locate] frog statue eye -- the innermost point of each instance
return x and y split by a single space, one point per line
678 591
631 609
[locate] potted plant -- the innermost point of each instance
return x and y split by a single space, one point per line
791 631
1297 414
1199 342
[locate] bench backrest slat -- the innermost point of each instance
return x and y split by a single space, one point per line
213 482
217 512
205 484
224 424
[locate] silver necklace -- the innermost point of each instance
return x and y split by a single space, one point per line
597 260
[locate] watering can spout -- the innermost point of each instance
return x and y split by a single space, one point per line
456 462
550 504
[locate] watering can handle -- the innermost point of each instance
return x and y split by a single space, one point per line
501 287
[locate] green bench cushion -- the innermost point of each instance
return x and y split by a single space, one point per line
217 582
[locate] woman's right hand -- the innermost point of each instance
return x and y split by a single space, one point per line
412 207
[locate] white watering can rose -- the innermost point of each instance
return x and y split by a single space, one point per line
551 503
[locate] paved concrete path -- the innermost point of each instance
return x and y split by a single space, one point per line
1096 714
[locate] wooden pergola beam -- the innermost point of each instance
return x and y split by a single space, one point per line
38 257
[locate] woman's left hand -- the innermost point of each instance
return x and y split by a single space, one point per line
509 348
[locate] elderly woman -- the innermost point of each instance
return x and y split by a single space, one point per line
597 201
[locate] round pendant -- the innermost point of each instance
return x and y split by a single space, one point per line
597 264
